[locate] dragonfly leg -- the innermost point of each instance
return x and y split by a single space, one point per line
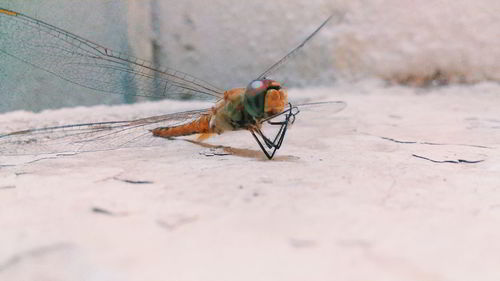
269 156
275 144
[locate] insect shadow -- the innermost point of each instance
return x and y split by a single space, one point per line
241 152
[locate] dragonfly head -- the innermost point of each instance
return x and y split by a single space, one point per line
264 98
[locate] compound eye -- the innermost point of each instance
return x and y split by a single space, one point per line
257 84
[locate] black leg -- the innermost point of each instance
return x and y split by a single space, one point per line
269 156
275 144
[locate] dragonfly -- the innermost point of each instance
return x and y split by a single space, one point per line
263 102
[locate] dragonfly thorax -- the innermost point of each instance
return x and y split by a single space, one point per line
264 98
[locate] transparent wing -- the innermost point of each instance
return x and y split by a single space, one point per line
92 136
323 108
327 107
277 65
90 65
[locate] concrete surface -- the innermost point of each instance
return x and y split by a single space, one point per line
401 185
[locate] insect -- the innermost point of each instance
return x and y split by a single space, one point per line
87 64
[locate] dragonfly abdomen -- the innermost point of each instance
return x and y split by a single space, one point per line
198 126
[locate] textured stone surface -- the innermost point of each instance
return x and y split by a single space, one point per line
350 196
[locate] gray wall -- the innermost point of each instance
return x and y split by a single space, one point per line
23 87
231 42
418 43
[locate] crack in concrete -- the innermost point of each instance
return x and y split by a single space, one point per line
458 161
102 211
433 143
133 181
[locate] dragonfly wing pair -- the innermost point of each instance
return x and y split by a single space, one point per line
92 136
90 65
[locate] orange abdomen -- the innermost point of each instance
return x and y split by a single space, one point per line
198 126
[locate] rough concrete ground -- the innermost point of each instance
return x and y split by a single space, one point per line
403 184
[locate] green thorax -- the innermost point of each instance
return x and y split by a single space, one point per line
236 113
246 107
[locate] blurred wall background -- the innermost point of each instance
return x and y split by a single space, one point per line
416 43
24 87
